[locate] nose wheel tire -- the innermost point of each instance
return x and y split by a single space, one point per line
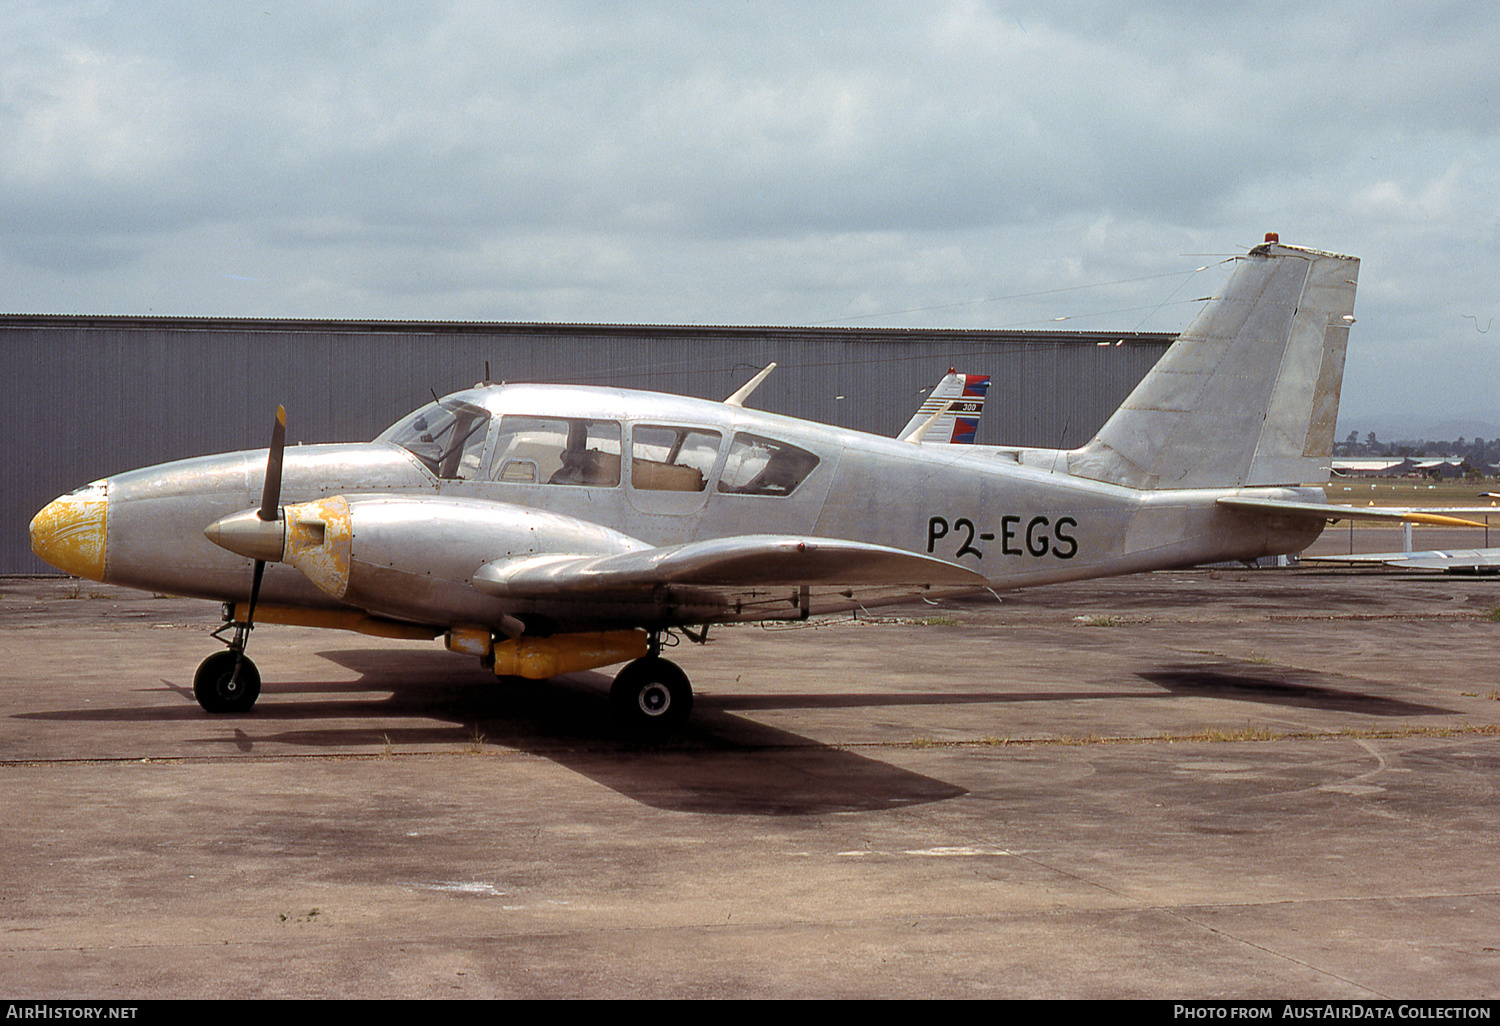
219 690
651 697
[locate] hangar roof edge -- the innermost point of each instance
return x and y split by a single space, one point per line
545 328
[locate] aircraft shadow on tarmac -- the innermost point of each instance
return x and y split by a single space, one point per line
1286 687
752 768
722 763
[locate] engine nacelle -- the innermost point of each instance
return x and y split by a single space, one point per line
412 557
540 658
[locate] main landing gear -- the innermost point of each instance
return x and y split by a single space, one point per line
651 696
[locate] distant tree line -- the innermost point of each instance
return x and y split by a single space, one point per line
1480 454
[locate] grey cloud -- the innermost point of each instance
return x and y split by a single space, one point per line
774 162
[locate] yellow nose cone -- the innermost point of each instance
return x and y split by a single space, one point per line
69 532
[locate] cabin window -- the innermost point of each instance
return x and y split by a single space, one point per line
557 450
764 466
672 459
447 436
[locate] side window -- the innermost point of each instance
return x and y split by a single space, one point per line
557 450
672 459
764 466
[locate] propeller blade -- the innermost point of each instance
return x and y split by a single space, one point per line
269 513
270 510
270 499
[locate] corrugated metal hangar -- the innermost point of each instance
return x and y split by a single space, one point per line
93 396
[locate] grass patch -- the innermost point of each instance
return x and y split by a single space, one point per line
1405 492
476 742
1247 733
1099 620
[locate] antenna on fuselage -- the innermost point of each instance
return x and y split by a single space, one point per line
1056 453
739 397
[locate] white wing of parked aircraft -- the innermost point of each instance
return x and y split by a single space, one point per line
1450 560
1481 560
548 529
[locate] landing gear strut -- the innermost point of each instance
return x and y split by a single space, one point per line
651 696
227 682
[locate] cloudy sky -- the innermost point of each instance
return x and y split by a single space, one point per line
930 164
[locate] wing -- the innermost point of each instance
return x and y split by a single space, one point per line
750 577
1451 560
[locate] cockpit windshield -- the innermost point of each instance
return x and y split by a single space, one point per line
448 436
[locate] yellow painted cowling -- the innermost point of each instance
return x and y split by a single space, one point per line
540 658
70 531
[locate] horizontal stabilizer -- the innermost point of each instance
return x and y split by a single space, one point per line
1327 511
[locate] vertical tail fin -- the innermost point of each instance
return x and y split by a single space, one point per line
1249 393
954 407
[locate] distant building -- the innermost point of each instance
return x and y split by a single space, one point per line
1444 467
1372 466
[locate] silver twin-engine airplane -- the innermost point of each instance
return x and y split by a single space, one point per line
548 529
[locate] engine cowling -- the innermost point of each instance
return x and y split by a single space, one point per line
411 557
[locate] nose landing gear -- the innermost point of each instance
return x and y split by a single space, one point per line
228 682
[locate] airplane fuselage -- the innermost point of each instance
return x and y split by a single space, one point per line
973 507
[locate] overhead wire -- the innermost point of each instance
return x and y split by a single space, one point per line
1019 295
625 373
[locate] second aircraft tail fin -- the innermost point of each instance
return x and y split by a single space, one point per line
953 407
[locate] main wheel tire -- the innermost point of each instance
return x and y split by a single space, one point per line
651 697
217 690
